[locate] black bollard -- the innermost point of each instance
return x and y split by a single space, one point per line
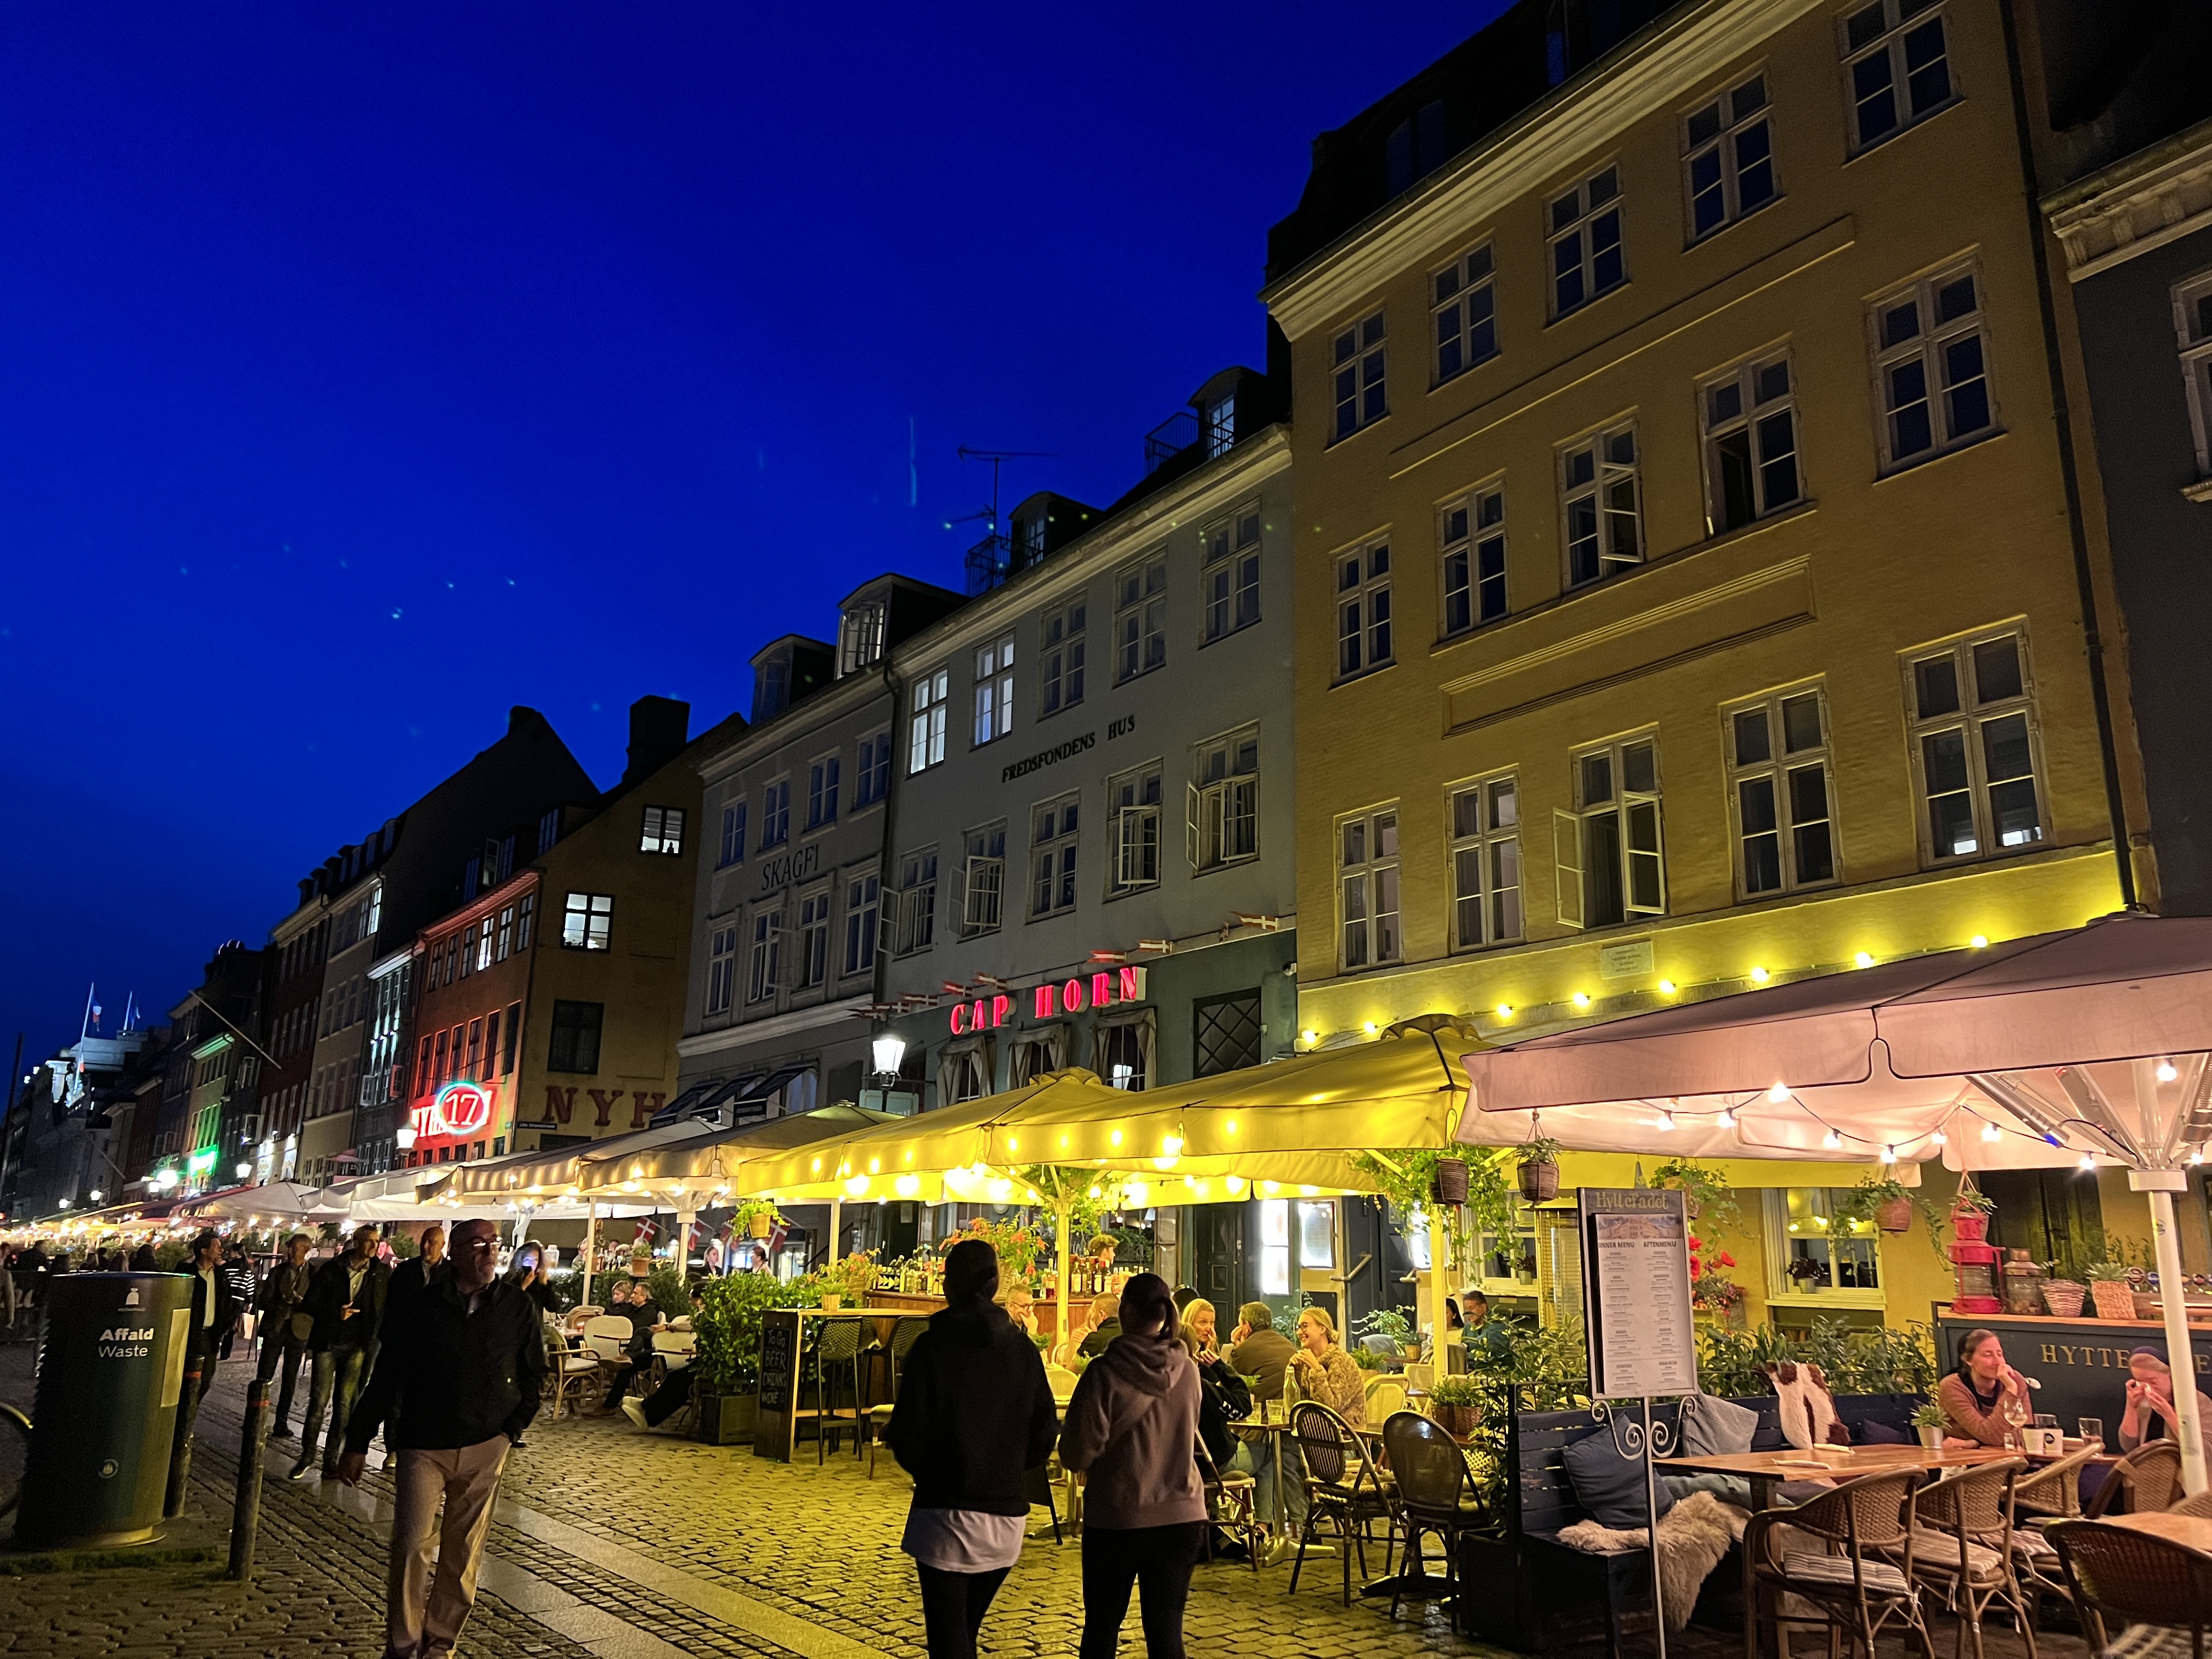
180 1450
246 1514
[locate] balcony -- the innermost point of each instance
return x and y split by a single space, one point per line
990 561
1169 439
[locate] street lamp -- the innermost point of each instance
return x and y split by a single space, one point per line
244 1170
94 1195
889 1053
403 1137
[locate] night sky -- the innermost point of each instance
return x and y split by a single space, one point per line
367 369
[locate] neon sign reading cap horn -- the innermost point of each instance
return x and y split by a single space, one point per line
459 1109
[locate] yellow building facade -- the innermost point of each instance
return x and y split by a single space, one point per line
1688 597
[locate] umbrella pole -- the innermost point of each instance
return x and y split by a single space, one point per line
591 1249
837 1231
1063 1218
1439 1280
2173 1299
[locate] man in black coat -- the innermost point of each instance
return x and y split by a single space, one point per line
460 1369
285 1327
347 1300
975 1413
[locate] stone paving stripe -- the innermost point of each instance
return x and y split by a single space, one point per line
808 1640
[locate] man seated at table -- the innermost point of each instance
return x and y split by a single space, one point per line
1486 1341
1261 1352
644 1316
2151 1413
1100 1326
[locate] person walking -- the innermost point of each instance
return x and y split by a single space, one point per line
245 1293
458 1379
286 1327
1130 1428
347 1299
974 1414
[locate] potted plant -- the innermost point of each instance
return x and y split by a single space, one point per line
1705 1192
2109 1288
1889 1203
756 1218
1392 1323
1971 1211
727 1357
853 1278
1455 1402
1929 1423
1538 1170
2063 1297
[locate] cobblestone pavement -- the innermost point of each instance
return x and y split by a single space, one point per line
621 1545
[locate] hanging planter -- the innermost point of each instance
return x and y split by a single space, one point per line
1539 1170
2063 1297
1894 1215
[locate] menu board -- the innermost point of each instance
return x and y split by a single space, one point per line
1636 1292
778 1423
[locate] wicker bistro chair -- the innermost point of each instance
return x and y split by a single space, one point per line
904 1335
1961 1545
1860 1580
1228 1500
2200 1506
837 1348
2161 1590
2051 1493
2150 1478
1431 1471
1345 1491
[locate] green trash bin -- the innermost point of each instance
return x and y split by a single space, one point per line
110 1373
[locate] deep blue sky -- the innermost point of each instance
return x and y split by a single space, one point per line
367 369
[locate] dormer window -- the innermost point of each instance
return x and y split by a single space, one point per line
1029 539
861 637
1220 426
771 687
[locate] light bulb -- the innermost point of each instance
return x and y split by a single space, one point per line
1370 1027
1309 1036
1988 1131
1779 1093
1759 976
1863 959
1980 941
2197 1157
2166 1071
1940 1138
2088 1162
1582 999
1726 1119
1889 1154
1503 1011
1831 1140
1667 987
1666 1121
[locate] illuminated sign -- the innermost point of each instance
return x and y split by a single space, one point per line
1048 1001
459 1108
200 1161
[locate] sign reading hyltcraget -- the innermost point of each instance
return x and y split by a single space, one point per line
1636 1292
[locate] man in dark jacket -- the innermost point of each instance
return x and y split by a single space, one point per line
974 1412
347 1300
245 1292
457 1382
285 1327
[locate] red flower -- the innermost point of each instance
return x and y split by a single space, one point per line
1725 1259
1696 1244
1697 1268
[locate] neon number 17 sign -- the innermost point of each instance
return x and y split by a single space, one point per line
1049 1000
459 1108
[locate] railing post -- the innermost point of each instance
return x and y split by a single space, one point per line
246 1513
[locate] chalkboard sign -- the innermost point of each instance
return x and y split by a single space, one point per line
779 1344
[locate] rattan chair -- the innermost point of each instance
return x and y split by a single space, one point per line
2161 1591
1962 1547
1859 1583
2051 1493
1430 1470
837 1348
2199 1507
1229 1501
2148 1478
904 1335
1345 1490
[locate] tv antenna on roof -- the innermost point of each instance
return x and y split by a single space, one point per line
997 459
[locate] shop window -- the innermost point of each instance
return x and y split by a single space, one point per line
1123 1049
1814 1252
1275 1247
575 1043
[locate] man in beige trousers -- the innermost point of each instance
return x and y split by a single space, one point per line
457 1382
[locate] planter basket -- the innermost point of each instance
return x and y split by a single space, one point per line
2114 1298
727 1420
1457 1420
1539 1182
1895 1216
758 1226
2063 1297
1972 1226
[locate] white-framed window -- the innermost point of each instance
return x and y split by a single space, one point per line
1222 822
522 918
872 778
822 791
860 637
2192 324
548 828
1059 658
982 879
505 934
1601 502
863 904
1584 235
721 969
1132 800
1052 827
1471 533
1931 364
994 690
1611 858
587 921
917 897
813 963
1362 609
1728 157
1897 67
1367 889
1464 311
775 814
1485 855
925 726
1781 792
1750 416
1230 576
733 834
1359 359
1974 747
1140 617
663 832
767 969
1221 426
1813 1252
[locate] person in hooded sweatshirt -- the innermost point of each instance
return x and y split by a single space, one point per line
974 1412
1130 1429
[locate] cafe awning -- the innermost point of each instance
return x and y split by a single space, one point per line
711 1164
553 1172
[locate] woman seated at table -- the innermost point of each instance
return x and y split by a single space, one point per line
1975 1396
2150 1412
1322 1372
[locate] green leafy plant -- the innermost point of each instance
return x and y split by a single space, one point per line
1974 1201
1055 1184
669 1293
751 1210
1407 1181
2109 1270
1540 1150
1366 1359
1876 1191
853 1276
1708 1190
1459 1391
1929 1415
1883 1360
1392 1322
728 1326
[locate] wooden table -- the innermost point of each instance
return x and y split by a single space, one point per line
1766 1470
2195 1531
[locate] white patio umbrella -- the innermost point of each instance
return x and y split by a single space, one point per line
2086 1047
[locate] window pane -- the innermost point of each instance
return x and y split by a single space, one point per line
1936 682
1506 890
1950 808
1504 807
1467 877
2004 748
1386 836
1355 842
1639 767
1801 722
1752 742
1597 779
1997 670
1816 859
1466 812
1762 845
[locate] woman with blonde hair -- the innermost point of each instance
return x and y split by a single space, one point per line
1322 1372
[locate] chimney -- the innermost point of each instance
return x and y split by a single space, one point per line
658 729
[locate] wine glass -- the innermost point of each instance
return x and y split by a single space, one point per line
2016 1415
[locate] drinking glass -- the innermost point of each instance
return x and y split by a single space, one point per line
2015 1417
2093 1428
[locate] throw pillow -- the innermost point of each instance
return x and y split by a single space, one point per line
1712 1426
1880 1434
1608 1486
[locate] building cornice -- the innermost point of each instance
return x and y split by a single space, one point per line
774 1029
2143 202
1581 118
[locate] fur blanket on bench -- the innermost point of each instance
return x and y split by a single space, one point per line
1693 1536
